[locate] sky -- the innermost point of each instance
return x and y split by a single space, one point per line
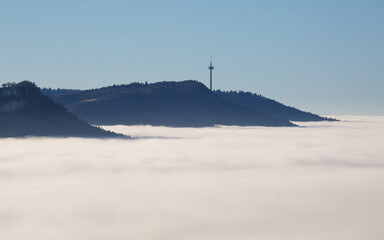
320 181
325 57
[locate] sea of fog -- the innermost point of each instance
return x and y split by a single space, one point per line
318 181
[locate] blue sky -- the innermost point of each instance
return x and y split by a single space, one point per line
321 56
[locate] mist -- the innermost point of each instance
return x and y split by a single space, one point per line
317 181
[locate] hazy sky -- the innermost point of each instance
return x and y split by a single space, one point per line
323 56
319 182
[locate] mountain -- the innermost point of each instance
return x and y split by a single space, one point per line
181 104
268 106
25 111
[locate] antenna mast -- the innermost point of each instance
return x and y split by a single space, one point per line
210 67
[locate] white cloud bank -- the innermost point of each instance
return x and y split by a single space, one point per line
323 181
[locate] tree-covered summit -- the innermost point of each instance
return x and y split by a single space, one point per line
25 111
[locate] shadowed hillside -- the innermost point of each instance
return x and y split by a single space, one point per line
25 111
268 106
181 104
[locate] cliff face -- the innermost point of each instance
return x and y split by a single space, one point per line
180 104
25 111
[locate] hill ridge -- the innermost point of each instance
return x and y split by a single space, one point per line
187 103
269 106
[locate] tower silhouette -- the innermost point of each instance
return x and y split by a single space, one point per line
210 67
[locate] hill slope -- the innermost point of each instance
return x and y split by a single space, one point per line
268 106
181 104
25 111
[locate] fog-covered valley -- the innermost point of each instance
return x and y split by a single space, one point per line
323 180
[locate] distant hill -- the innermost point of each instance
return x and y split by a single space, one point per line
25 111
181 104
268 106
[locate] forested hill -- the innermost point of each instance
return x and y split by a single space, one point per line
25 111
181 104
268 106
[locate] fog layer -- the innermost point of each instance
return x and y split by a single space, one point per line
319 181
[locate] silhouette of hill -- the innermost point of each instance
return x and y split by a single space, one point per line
182 104
268 106
25 111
